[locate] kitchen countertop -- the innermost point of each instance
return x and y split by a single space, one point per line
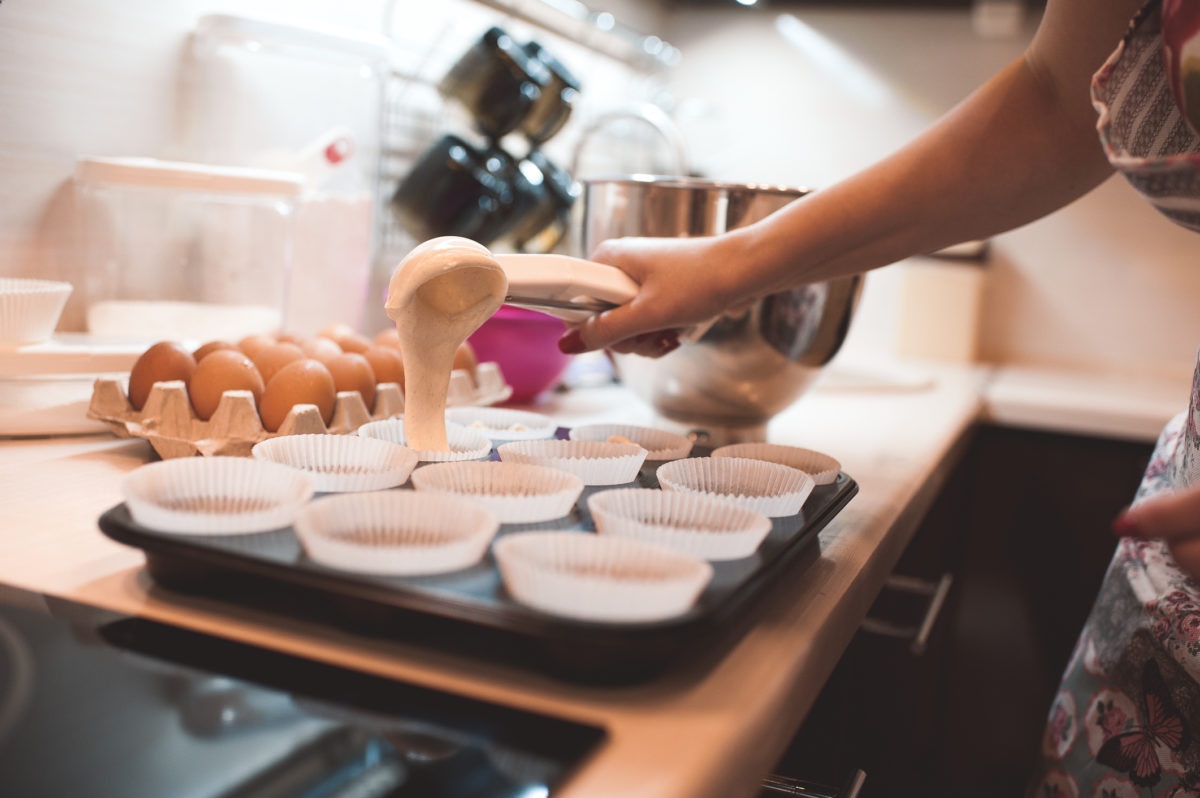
898 432
1082 402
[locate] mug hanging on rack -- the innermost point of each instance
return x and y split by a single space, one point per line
497 81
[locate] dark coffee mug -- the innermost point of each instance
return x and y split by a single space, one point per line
456 189
545 196
558 97
497 81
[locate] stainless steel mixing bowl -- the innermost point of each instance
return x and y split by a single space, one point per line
727 385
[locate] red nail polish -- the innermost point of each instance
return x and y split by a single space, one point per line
1126 527
571 343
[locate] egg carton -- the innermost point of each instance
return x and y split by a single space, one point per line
168 422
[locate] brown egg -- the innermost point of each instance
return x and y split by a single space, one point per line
345 336
164 361
389 337
272 358
212 346
304 381
253 343
352 372
465 359
387 364
320 348
223 370
289 338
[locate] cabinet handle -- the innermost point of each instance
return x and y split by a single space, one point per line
917 635
786 785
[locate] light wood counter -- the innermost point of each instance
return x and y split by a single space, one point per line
713 733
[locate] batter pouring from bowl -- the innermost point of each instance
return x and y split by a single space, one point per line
438 295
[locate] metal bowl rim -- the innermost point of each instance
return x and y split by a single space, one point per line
694 183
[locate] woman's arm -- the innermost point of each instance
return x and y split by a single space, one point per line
1022 145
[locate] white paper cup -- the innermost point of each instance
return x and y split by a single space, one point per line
820 466
703 526
658 443
595 462
599 577
395 532
215 495
30 309
341 463
772 489
465 443
517 493
504 423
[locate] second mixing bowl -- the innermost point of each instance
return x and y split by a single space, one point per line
726 386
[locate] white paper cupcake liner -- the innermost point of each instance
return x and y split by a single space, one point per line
465 443
504 423
517 493
30 309
774 490
820 466
659 444
215 495
595 462
395 532
703 526
341 463
599 577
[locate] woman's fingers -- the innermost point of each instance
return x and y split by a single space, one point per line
1186 553
651 344
1174 516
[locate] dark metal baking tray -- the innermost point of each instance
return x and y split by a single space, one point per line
468 612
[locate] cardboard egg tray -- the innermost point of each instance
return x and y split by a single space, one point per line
171 426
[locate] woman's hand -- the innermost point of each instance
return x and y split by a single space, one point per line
1174 517
683 282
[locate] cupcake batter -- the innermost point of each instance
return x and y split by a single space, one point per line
438 295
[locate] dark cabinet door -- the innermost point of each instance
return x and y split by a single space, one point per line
1023 528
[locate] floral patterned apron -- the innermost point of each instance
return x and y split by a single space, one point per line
1126 719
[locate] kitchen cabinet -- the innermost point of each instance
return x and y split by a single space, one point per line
1023 526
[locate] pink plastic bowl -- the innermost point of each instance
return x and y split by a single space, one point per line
524 343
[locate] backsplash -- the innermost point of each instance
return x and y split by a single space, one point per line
111 79
1103 285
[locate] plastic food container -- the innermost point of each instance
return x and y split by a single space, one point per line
183 250
264 94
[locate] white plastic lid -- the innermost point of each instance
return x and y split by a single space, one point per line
183 176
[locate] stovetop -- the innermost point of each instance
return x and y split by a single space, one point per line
97 704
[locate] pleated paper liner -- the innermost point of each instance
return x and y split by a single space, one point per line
820 466
659 444
30 309
215 495
395 532
703 526
595 462
599 578
503 424
465 443
514 492
171 426
771 489
341 463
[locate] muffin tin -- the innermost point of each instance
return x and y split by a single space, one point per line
468 612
